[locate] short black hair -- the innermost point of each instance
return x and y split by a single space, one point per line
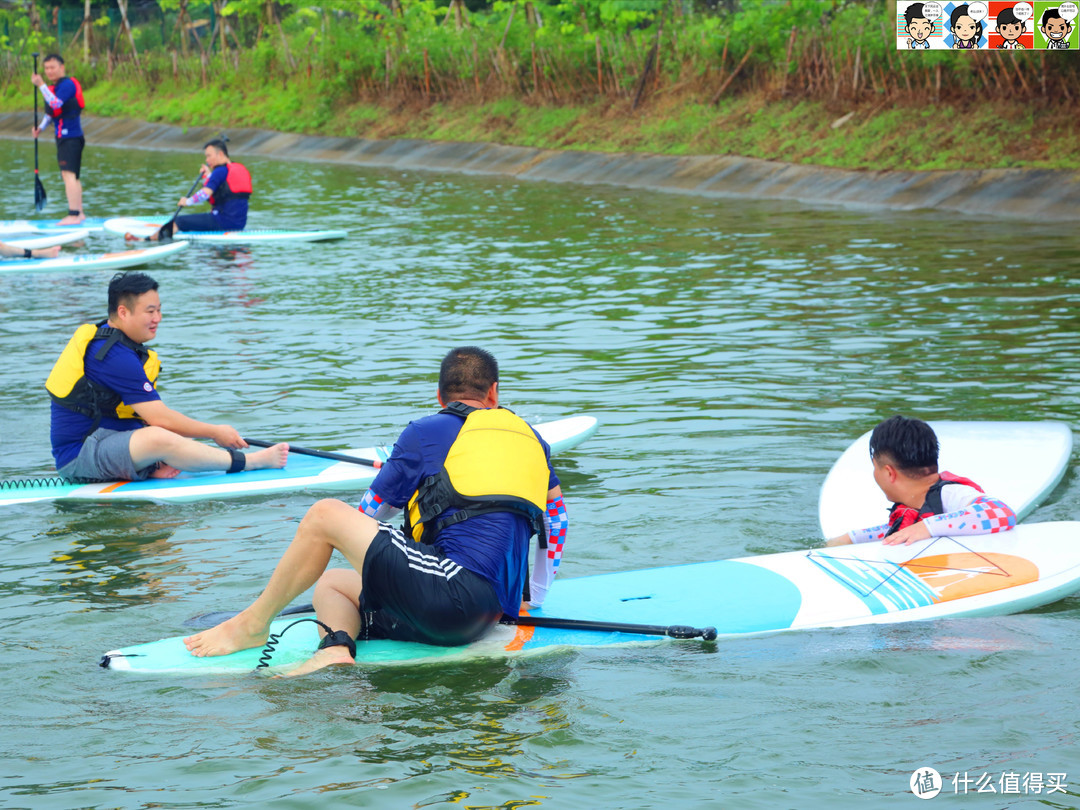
1049 14
219 144
915 10
126 287
910 444
962 11
1008 17
467 372
53 57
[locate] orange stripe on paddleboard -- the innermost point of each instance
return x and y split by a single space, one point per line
523 635
115 486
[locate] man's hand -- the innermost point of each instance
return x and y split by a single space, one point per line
184 202
912 534
36 79
36 131
204 170
227 436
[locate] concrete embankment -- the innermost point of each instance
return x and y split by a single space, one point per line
1041 194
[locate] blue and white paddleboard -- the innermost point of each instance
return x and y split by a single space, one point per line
21 226
144 227
92 261
300 473
1017 462
49 240
1032 565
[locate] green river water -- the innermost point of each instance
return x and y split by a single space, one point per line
730 349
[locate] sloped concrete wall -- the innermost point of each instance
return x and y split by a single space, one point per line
1040 194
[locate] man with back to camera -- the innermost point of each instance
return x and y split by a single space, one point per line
461 562
63 106
926 503
108 421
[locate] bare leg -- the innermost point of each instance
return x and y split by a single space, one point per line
73 189
328 525
150 445
337 594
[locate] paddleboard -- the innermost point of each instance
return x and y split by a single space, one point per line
1029 566
300 473
59 238
93 261
1018 462
21 226
143 227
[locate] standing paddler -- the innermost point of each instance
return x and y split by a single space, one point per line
226 186
64 105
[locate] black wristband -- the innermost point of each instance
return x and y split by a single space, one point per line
27 253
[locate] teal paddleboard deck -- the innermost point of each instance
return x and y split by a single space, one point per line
93 261
143 227
1031 565
20 226
300 473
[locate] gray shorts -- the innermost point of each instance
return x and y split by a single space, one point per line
105 457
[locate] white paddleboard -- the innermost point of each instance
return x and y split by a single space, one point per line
1029 566
1018 462
93 261
300 473
59 238
21 226
143 228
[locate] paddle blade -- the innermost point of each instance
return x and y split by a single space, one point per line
40 198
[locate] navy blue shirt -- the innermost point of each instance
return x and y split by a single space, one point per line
121 371
232 213
495 546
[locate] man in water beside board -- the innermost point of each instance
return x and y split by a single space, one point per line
462 560
227 187
926 503
108 421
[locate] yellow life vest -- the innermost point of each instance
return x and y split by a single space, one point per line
69 386
496 464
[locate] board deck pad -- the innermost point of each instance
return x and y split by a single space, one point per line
1018 462
24 226
143 227
93 261
1029 566
300 473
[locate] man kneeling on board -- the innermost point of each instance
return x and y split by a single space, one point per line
461 562
925 503
108 421
227 188
13 252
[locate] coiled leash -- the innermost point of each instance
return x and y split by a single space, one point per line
333 638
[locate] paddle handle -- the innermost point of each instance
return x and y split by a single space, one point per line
35 55
304 451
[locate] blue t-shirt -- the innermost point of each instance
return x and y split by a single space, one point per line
232 213
495 546
121 371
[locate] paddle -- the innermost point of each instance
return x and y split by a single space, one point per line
40 198
206 620
166 230
304 451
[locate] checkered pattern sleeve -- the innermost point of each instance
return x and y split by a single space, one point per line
984 515
374 506
546 560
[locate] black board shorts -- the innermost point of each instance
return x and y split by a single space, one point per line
69 154
416 593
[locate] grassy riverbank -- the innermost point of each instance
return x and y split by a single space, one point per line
865 136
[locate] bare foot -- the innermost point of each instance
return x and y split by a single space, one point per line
238 633
72 220
48 253
269 458
322 658
164 470
130 237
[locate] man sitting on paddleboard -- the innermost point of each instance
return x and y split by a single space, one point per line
925 503
227 188
461 562
108 421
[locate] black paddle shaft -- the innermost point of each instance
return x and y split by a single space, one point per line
305 451
40 198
